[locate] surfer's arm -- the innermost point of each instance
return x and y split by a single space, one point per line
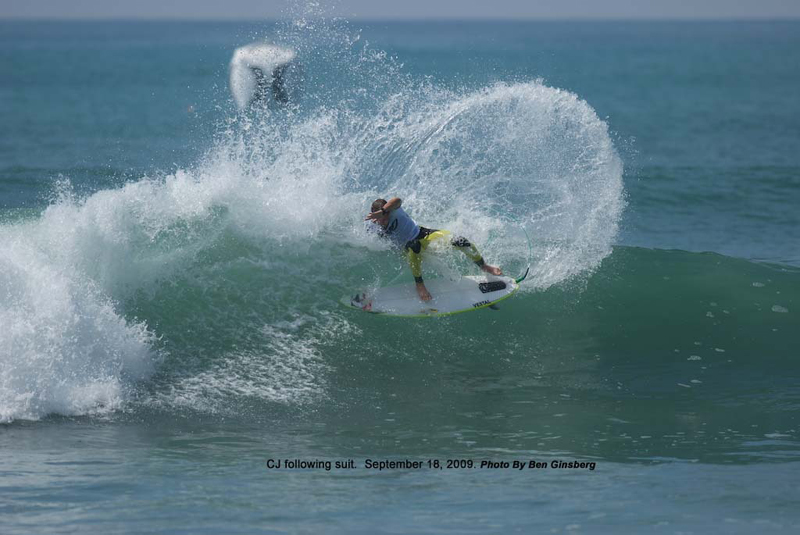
393 204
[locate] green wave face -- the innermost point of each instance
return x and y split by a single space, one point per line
647 324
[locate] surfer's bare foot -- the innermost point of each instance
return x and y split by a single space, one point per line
423 292
494 270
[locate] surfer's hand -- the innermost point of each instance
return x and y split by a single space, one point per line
374 216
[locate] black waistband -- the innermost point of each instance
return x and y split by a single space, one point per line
424 232
414 244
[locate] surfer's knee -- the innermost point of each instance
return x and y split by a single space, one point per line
460 241
468 249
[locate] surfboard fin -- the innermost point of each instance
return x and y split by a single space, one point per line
494 307
522 278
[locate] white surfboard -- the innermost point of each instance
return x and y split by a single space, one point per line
449 297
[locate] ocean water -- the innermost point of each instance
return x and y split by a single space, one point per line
171 269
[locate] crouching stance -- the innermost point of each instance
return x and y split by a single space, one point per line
393 223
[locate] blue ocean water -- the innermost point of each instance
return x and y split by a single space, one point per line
171 270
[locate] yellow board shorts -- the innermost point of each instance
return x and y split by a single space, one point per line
416 247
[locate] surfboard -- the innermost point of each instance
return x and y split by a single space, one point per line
449 297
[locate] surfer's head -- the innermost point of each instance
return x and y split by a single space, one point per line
377 205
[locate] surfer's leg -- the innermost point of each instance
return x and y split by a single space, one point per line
416 248
471 252
415 262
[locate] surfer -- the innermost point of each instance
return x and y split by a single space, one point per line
395 224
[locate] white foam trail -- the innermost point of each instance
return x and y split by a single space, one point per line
283 369
63 348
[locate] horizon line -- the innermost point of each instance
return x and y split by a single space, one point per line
769 18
